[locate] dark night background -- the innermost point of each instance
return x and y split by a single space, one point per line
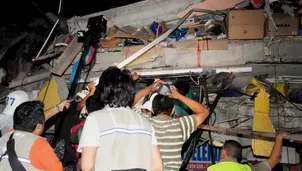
29 17
23 11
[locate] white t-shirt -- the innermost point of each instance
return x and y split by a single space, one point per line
123 137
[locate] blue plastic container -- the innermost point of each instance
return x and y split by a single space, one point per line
296 96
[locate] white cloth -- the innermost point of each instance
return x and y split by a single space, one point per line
13 100
125 135
6 123
148 104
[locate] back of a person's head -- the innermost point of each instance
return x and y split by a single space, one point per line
115 88
182 86
233 149
13 100
162 105
28 115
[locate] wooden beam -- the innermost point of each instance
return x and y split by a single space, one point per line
67 56
51 55
248 133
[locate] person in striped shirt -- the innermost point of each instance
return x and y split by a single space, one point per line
171 133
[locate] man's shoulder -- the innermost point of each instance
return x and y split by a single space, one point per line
188 118
261 166
40 143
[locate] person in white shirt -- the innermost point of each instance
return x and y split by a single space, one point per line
114 137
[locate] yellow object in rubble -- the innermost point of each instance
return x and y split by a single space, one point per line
282 88
261 120
52 96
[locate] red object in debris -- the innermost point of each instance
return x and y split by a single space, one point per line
257 3
90 55
68 39
73 130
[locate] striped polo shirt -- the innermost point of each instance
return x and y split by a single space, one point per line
171 134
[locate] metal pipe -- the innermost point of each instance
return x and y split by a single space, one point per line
44 44
53 28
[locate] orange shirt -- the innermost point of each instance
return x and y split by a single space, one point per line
42 156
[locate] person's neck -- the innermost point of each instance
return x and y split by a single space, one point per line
164 116
228 159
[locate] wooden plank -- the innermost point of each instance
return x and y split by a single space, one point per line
146 57
248 133
67 57
51 55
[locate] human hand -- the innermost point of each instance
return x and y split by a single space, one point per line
174 93
92 87
63 104
153 87
135 76
281 134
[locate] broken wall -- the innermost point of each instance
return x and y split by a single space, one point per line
137 14
235 53
237 112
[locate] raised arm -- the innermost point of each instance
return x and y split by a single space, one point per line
201 112
92 88
274 159
57 109
144 92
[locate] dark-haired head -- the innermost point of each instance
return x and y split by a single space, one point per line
182 86
29 117
231 150
162 105
115 89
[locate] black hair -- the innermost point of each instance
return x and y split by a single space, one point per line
182 86
115 89
27 115
89 103
162 105
233 149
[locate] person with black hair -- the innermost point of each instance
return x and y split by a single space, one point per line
114 137
73 116
173 132
32 151
183 87
230 157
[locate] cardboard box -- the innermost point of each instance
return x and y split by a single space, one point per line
246 24
287 25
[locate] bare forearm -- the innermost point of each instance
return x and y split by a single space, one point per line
50 112
276 152
196 107
88 169
141 94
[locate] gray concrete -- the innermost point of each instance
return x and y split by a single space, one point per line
238 54
283 116
137 14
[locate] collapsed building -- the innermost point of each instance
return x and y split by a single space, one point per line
248 60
